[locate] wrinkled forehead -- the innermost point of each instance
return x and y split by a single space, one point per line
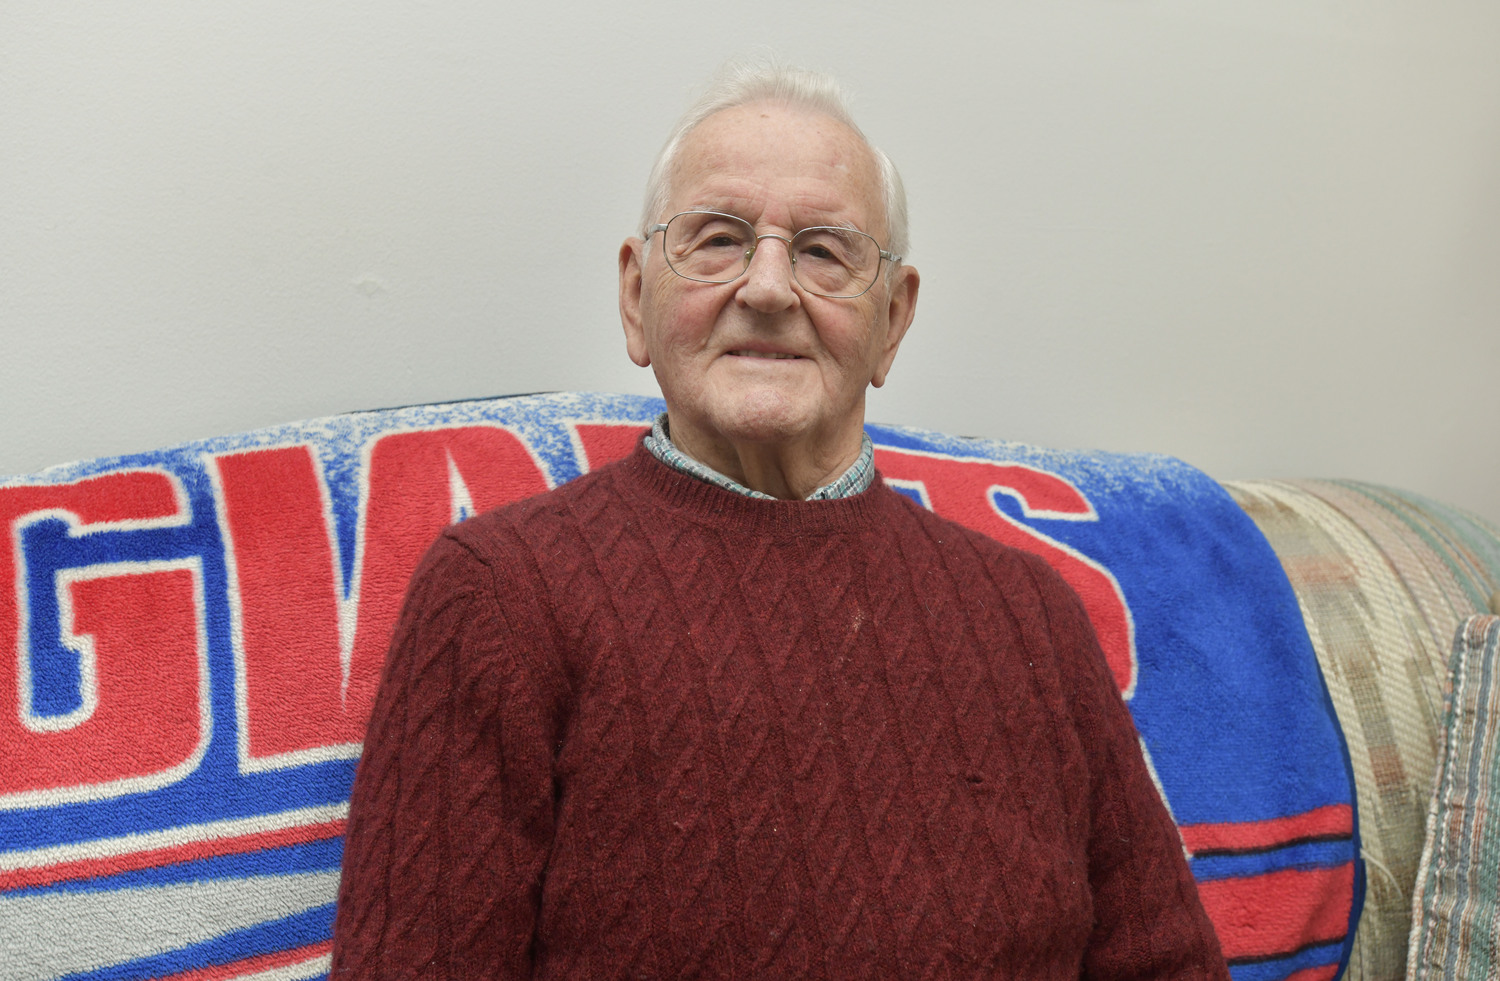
774 155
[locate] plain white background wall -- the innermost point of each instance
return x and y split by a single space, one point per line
1262 237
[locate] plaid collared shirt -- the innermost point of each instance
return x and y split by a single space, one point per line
853 481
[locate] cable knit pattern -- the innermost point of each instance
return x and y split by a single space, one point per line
640 727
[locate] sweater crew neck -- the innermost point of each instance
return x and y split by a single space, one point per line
641 477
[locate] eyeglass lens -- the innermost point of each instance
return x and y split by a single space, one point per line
715 248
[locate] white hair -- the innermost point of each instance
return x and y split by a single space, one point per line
742 83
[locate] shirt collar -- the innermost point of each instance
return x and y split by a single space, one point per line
853 481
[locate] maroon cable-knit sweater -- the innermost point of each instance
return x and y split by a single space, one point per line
641 727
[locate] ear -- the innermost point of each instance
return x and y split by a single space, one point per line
901 307
632 276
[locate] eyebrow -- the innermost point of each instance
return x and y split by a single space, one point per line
845 223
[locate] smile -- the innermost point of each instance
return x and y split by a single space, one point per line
764 354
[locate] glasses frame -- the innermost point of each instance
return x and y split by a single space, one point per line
750 253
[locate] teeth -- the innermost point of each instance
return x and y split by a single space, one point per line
764 354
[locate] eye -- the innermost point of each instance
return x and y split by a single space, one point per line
825 245
715 234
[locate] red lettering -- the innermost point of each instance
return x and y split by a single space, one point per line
284 596
136 628
605 442
961 489
310 652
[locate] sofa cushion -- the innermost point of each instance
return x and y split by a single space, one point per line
1383 578
1456 935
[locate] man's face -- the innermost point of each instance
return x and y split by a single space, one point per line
760 360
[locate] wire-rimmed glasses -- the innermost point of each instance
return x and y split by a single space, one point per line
829 260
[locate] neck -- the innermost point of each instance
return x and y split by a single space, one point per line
789 470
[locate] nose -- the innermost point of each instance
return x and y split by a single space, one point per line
768 282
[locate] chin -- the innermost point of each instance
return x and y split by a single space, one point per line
765 418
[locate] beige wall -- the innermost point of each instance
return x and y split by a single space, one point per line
1262 237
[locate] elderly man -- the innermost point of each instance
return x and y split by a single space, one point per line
730 708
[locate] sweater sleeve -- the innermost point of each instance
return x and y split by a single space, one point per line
451 815
1148 919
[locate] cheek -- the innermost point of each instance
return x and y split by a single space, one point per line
852 339
679 318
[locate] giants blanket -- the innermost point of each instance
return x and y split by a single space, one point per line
190 640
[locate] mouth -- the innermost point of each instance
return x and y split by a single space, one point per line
768 355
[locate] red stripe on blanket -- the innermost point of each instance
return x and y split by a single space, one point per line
131 861
1280 912
252 965
1332 821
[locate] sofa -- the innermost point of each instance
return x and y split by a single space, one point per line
192 636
